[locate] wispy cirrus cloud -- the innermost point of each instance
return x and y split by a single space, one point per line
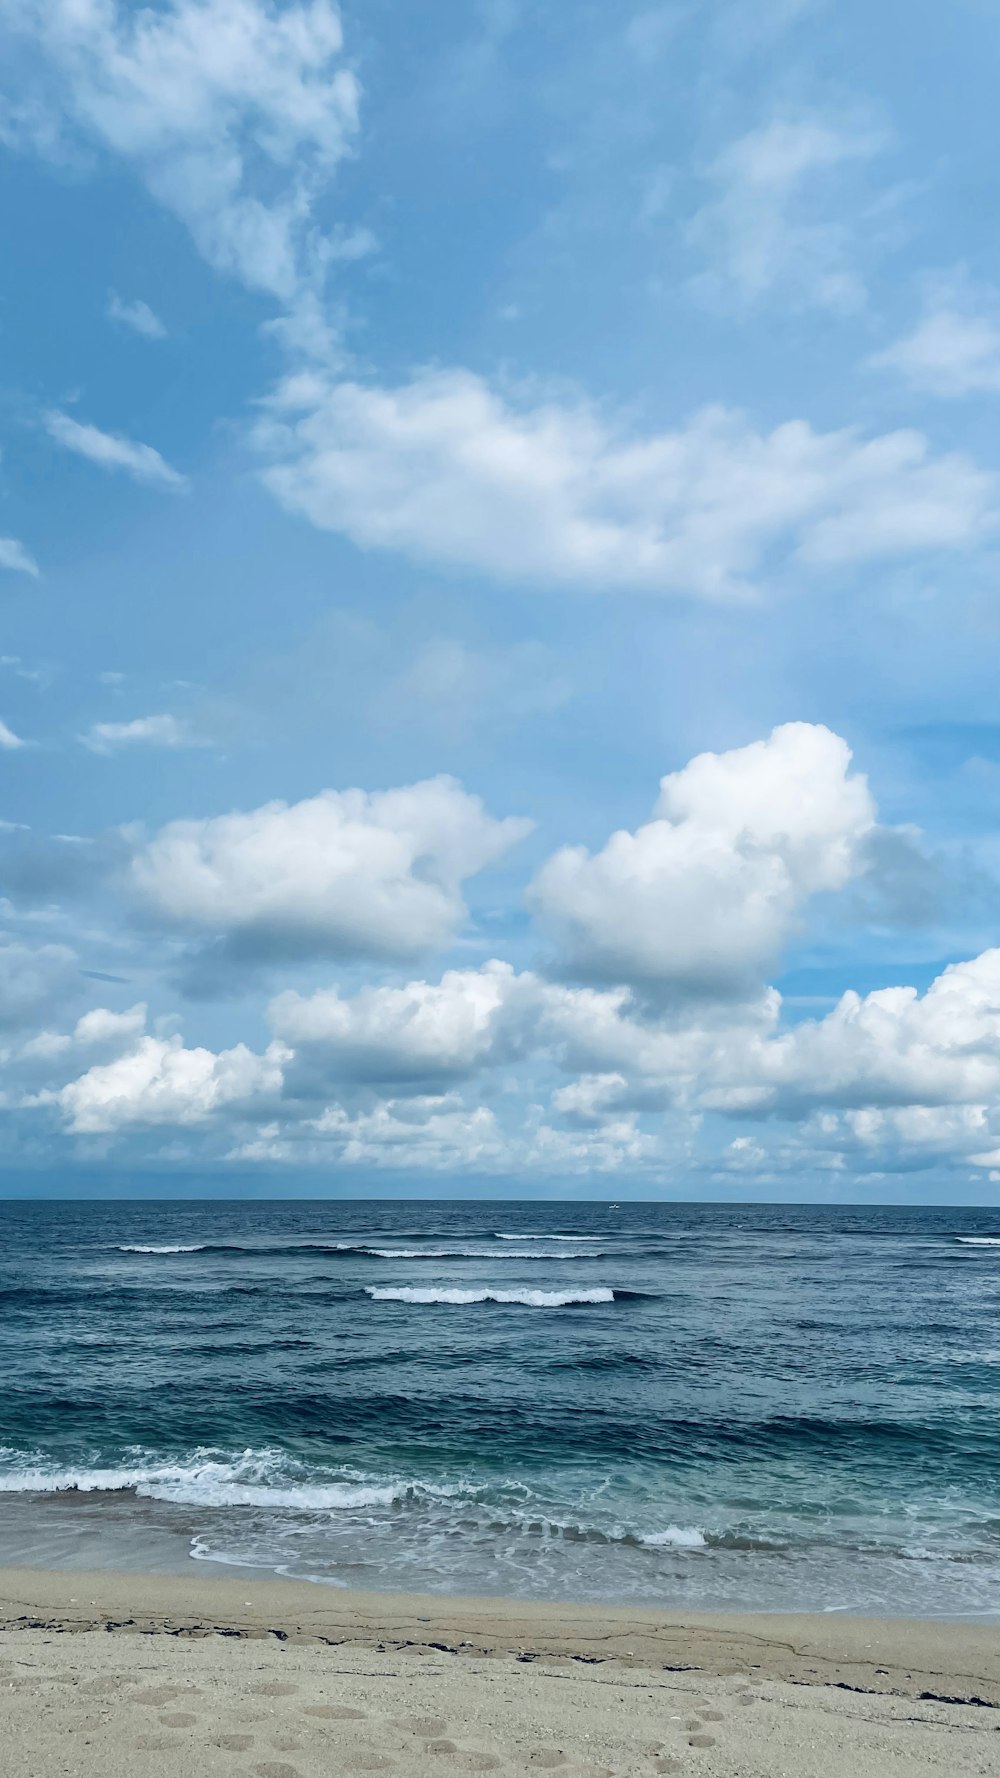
15 558
109 450
143 731
234 113
778 227
136 315
8 740
954 349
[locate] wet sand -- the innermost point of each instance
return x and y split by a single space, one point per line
131 1676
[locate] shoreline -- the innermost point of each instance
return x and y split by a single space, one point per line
156 1676
880 1655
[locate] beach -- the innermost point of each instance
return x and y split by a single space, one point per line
132 1676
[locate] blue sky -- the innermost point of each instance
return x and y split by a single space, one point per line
499 516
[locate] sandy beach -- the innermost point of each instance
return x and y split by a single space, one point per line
128 1676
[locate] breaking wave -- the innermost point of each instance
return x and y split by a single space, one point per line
528 1299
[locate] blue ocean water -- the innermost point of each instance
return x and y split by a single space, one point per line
698 1406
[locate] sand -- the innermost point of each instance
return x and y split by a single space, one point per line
129 1676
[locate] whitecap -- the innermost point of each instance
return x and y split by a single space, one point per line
528 1299
978 1240
475 1253
196 1247
681 1537
254 1479
528 1235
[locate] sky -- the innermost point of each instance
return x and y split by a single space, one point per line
499 543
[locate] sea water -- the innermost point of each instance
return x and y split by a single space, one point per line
696 1406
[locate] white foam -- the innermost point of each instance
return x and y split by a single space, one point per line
528 1299
527 1235
208 1491
680 1537
474 1253
978 1240
213 1482
197 1247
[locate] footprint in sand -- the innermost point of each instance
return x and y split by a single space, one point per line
701 1740
161 1694
334 1712
234 1743
177 1719
474 1761
547 1757
667 1763
276 1769
441 1744
275 1688
714 1715
422 1725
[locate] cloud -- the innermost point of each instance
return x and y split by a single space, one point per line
98 1029
138 316
8 740
432 1133
160 1082
703 896
955 348
145 731
447 470
341 874
110 451
34 981
233 112
761 234
421 1031
15 558
893 1047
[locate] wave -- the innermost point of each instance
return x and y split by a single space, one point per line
265 1479
978 1240
528 1235
679 1537
250 1247
476 1253
364 1250
207 1484
528 1299
198 1247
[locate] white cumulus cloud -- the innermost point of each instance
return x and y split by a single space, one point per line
160 1082
339 874
892 1047
448 470
443 1029
702 897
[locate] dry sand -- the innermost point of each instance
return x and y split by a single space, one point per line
126 1676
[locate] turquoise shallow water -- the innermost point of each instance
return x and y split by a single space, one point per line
697 1405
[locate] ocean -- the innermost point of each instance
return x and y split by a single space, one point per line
694 1406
